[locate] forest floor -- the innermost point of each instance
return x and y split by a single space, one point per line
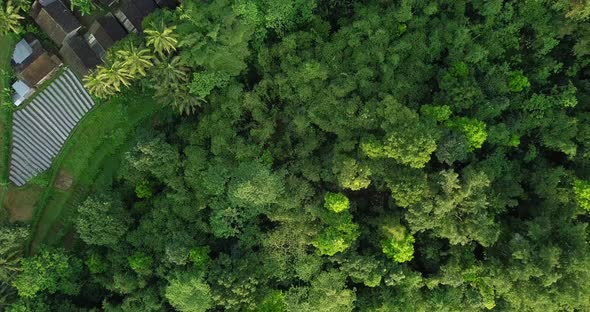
6 42
88 157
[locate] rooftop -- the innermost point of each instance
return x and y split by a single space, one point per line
22 51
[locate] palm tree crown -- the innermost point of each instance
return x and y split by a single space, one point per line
162 38
9 19
116 75
136 59
96 86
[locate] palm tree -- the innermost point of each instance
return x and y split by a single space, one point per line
116 75
98 87
22 5
179 97
136 60
171 77
12 246
162 38
9 19
170 72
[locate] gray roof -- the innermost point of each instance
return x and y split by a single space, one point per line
77 53
22 51
55 19
103 33
131 13
21 88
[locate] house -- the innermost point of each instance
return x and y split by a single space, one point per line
103 33
22 92
55 19
79 55
32 63
131 13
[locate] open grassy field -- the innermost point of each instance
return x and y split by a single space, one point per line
7 43
90 154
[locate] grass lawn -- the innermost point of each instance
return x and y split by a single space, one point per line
92 153
7 43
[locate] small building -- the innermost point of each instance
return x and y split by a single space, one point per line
131 13
32 63
103 34
55 19
79 55
21 92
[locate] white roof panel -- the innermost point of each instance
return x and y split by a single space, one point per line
22 51
21 88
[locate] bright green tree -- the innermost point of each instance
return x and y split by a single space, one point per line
136 59
9 19
161 38
582 192
187 292
85 7
48 271
336 202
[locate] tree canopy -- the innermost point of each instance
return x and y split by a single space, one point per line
338 156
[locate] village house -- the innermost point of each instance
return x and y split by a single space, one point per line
76 52
33 65
103 34
62 26
80 48
55 19
131 13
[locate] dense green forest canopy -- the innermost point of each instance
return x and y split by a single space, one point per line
338 155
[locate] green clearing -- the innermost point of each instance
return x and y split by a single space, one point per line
92 153
7 42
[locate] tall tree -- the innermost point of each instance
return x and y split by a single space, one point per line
188 292
101 221
136 59
161 38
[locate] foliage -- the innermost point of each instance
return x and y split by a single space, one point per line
336 202
187 292
400 249
338 235
101 222
144 189
136 59
582 191
141 263
9 19
85 7
273 302
517 82
474 131
161 38
12 241
339 156
51 271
